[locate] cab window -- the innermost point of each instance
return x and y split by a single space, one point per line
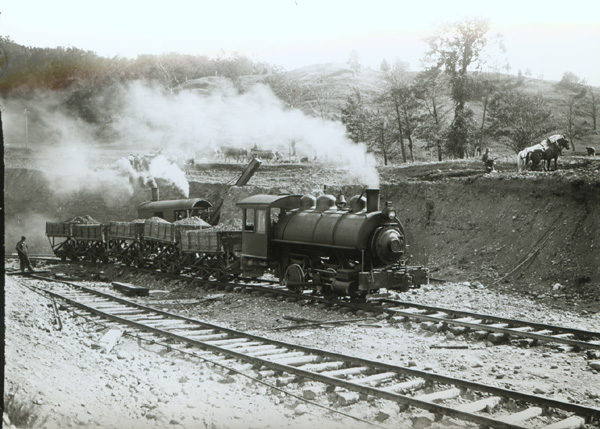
260 221
249 220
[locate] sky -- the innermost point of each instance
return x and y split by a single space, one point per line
542 38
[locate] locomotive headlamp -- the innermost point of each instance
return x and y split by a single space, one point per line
388 212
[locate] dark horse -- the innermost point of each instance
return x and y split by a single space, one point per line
551 148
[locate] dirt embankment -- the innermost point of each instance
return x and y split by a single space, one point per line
547 226
485 228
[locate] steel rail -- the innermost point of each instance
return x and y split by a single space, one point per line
589 413
510 330
505 330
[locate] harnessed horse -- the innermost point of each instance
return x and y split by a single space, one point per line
546 150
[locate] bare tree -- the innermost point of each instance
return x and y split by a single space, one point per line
575 128
384 66
381 138
396 94
319 95
518 119
591 107
430 90
354 62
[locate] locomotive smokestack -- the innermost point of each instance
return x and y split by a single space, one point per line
372 200
155 194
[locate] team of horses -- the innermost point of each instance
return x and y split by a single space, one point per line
547 150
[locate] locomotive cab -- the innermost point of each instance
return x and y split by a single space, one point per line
258 214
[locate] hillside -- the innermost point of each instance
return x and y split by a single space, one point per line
88 88
323 90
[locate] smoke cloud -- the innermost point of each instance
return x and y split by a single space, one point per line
199 124
138 118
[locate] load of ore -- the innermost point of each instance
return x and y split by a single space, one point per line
87 219
154 219
194 220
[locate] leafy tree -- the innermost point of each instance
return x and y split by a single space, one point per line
455 50
518 119
570 81
356 118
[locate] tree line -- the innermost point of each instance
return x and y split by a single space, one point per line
435 106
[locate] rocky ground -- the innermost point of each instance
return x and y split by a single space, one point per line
74 384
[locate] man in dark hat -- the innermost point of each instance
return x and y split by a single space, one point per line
24 255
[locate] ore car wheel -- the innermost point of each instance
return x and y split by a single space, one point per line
294 278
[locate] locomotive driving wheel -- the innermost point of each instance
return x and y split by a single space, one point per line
294 278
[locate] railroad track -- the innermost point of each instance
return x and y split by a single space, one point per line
479 326
355 378
491 327
482 326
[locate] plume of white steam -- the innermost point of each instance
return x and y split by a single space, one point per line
199 124
146 169
181 126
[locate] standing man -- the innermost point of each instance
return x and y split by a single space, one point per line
24 255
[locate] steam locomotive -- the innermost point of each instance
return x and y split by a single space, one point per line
309 243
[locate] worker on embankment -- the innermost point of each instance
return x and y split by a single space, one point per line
488 161
24 255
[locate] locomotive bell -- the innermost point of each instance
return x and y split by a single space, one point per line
341 201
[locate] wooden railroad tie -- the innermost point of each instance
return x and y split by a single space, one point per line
131 290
